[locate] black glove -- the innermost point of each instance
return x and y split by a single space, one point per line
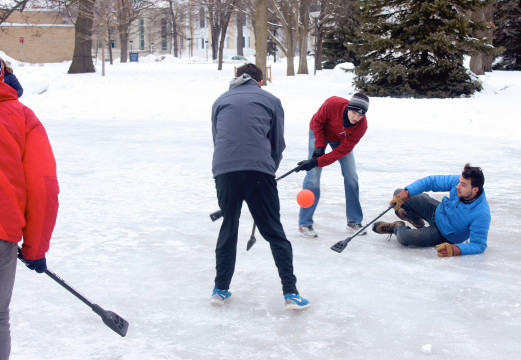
307 164
39 265
319 151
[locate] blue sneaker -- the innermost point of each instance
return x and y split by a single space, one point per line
295 302
220 296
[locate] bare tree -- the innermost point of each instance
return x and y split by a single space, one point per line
103 28
125 13
82 58
219 14
176 10
7 9
285 15
325 19
225 14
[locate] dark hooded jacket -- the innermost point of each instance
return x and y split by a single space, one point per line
247 129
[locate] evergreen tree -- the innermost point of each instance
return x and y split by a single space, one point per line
414 48
340 32
507 17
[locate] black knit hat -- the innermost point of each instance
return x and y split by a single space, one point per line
359 103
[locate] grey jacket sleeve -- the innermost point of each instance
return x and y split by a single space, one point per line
277 133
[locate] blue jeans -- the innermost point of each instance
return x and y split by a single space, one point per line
312 182
420 206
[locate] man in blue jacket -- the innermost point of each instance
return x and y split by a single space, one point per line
463 215
248 137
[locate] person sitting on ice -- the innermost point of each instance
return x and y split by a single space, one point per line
463 215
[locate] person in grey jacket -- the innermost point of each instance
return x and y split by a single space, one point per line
248 137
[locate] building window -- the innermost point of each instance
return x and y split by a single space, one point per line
113 44
141 34
99 44
164 34
202 43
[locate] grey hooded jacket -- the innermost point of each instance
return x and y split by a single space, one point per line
247 129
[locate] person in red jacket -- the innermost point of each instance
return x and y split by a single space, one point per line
339 123
28 197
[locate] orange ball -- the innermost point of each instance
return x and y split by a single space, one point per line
305 198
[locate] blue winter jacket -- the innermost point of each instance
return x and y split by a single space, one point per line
247 129
456 220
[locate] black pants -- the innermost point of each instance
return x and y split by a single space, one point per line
420 206
259 190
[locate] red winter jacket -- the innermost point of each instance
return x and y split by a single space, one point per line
328 124
28 185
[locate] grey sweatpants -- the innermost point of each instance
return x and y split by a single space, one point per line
8 256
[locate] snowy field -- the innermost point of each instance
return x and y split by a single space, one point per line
133 234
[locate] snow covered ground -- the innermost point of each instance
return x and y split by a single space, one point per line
134 151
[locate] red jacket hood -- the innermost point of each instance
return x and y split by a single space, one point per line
7 92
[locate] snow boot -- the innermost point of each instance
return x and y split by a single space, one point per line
381 227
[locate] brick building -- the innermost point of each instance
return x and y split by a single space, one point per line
47 36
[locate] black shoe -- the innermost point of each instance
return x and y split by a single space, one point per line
381 227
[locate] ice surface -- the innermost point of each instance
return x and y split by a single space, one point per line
134 235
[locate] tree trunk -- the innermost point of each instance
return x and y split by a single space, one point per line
215 44
225 16
173 23
175 34
261 35
123 39
82 58
290 54
109 47
303 26
240 35
320 37
290 65
479 63
102 58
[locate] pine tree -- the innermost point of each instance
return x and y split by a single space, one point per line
339 34
507 18
414 48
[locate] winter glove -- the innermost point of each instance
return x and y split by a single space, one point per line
307 164
399 199
447 250
39 265
319 151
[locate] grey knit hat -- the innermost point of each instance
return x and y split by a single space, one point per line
359 103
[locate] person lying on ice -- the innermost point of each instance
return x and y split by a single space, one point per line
463 215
